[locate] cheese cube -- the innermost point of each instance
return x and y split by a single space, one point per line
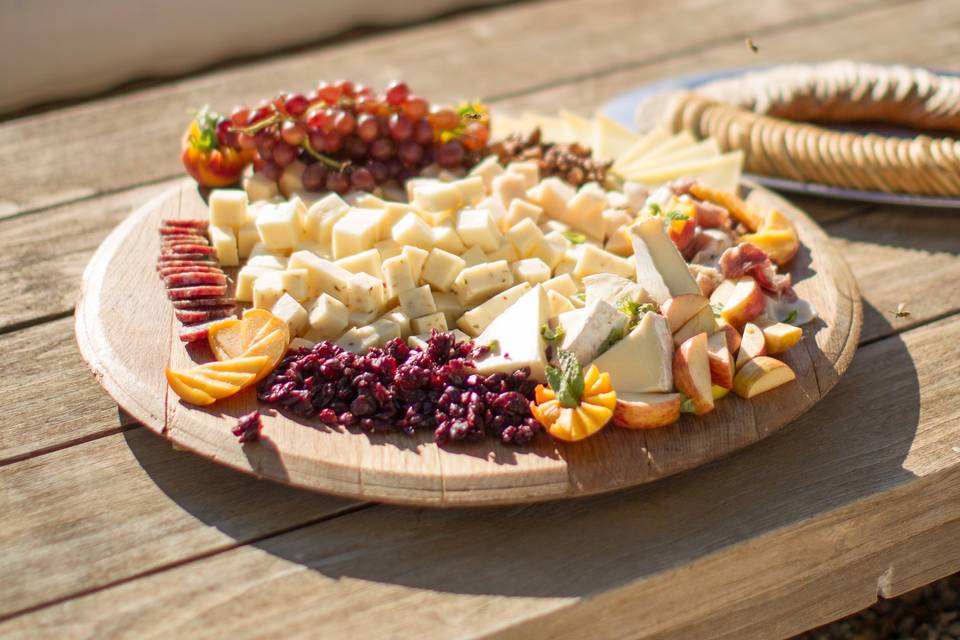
279 225
356 231
415 257
247 239
388 248
399 318
322 215
487 169
267 289
562 284
414 183
364 200
245 279
505 251
559 239
532 270
300 343
327 317
291 312
613 220
228 208
552 195
473 322
620 243
474 256
417 302
224 240
421 341
477 229
528 169
323 276
449 305
437 196
364 262
441 269
549 252
358 339
476 284
508 187
593 260
398 276
471 190
497 211
362 318
525 235
259 187
269 261
520 209
425 324
317 249
558 304
365 293
296 283
385 331
445 237
412 231
392 213
584 212
566 266
550 225
291 180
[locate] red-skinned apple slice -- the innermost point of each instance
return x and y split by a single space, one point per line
722 293
746 302
761 374
691 373
752 344
781 336
646 410
733 336
679 309
702 322
681 232
721 362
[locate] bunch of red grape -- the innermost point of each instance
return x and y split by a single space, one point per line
349 137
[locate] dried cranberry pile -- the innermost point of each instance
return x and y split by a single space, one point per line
406 389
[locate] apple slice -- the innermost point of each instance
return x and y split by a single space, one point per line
681 232
646 410
723 292
733 336
678 309
721 362
719 392
691 373
781 336
702 322
752 344
761 374
745 303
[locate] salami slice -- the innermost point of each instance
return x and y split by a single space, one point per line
196 223
201 291
174 257
194 278
170 271
189 248
196 332
215 301
202 314
169 241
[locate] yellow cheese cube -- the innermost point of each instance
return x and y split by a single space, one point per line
532 270
385 331
505 251
584 212
477 229
528 169
364 200
323 276
295 282
476 284
488 169
365 293
417 302
566 266
497 212
471 190
388 248
362 318
473 256
399 318
327 317
258 187
364 262
441 269
267 289
520 209
508 187
594 260
225 242
549 252
449 305
445 237
550 225
437 196
413 231
245 279
473 322
397 276
228 208
268 261
279 225
317 249
525 235
415 257
322 215
291 312
425 324
247 239
559 303
562 284
356 231
413 183
614 219
552 195
291 180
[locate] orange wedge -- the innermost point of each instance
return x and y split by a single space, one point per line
211 387
250 364
258 323
230 377
188 392
274 346
226 338
595 415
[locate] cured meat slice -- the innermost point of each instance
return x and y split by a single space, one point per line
196 332
186 263
216 301
200 291
174 257
193 268
196 223
166 241
178 231
189 248
203 314
194 278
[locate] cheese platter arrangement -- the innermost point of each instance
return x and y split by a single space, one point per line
381 298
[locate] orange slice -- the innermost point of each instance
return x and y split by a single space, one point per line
608 400
258 323
230 377
596 415
211 387
188 392
274 346
590 377
226 338
251 364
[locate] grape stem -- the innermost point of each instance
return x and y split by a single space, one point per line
259 126
330 162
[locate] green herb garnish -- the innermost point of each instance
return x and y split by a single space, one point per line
612 338
574 237
791 317
493 345
580 295
553 335
687 405
655 209
207 122
717 308
634 311
566 380
677 215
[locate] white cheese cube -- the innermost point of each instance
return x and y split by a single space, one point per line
445 237
449 305
508 187
356 231
224 240
228 208
279 225
594 260
441 269
259 187
549 252
437 196
322 215
327 317
412 231
525 235
586 330
267 289
614 220
477 229
268 261
296 283
520 209
385 331
323 276
636 195
566 266
619 243
559 239
425 324
505 251
417 302
528 169
415 257
362 318
473 322
497 211
399 318
364 262
300 343
487 169
388 248
549 225
365 293
291 312
562 284
474 256
247 239
393 212
532 270
418 341
317 249
245 279
584 212
414 183
471 190
398 276
476 284
359 339
364 200
552 195
559 304
291 180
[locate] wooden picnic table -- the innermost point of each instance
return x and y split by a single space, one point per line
108 532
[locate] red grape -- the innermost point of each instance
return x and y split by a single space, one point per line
445 119
331 142
423 132
344 123
265 143
320 119
226 136
295 104
414 108
337 181
410 153
378 170
240 116
449 154
381 149
293 132
284 153
271 170
329 93
263 111
314 177
362 179
246 141
400 128
394 167
397 92
313 98
317 138
355 147
347 88
367 128
367 104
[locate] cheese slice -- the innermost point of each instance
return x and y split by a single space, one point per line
721 173
580 129
649 239
502 125
643 361
612 288
585 330
552 128
648 276
702 150
611 139
641 147
515 337
670 145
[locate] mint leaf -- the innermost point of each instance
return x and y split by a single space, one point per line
552 335
655 209
791 317
634 311
566 380
575 237
687 405
677 215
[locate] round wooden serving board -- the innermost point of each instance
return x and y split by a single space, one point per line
127 333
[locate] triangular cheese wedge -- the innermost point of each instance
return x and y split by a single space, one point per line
552 128
649 238
611 139
642 362
515 337
702 150
648 141
721 173
580 129
503 125
670 145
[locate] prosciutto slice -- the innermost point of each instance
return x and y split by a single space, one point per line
749 260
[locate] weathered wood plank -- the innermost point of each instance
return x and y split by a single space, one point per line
139 134
766 541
